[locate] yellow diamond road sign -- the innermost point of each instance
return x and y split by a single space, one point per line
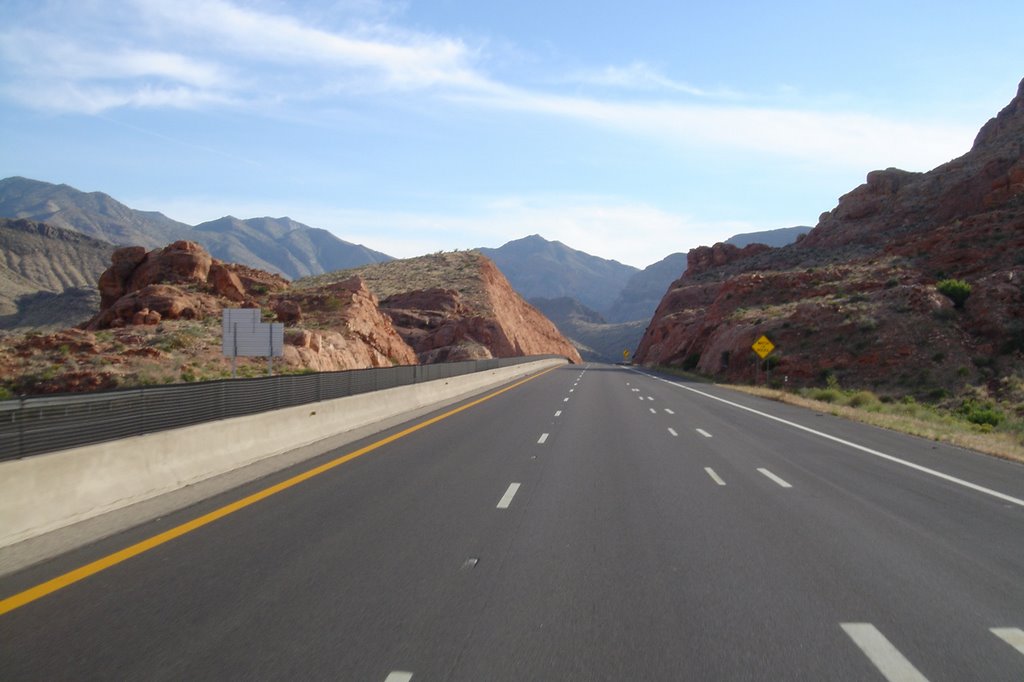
763 347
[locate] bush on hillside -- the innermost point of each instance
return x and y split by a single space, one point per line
956 290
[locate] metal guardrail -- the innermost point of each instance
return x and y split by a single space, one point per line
38 424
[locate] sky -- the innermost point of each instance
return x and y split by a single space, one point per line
626 130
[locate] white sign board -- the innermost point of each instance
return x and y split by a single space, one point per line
244 335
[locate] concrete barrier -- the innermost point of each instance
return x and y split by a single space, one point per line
42 493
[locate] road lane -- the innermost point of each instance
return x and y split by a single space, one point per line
633 546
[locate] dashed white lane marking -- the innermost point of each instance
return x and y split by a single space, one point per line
653 411
506 499
571 390
650 398
640 397
880 651
398 676
635 390
543 437
1012 636
558 413
704 433
565 400
673 432
668 411
917 467
775 478
714 477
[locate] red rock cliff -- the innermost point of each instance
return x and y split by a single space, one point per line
857 296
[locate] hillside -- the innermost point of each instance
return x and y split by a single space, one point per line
596 339
278 245
282 245
47 275
455 306
860 297
159 321
93 214
540 268
642 292
779 237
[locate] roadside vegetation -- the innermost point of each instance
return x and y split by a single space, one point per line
979 419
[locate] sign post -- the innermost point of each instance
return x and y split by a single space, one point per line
244 335
763 347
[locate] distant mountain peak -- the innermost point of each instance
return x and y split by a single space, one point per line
280 245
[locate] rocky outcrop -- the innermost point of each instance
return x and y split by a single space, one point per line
486 318
182 282
857 296
354 332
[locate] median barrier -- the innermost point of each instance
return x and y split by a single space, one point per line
45 492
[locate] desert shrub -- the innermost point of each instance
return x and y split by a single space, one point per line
981 412
862 399
956 290
825 395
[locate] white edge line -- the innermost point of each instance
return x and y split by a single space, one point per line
714 477
704 433
672 431
398 676
880 651
543 437
1012 636
775 478
923 469
506 499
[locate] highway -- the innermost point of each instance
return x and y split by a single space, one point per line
590 523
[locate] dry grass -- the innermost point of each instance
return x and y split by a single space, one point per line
913 419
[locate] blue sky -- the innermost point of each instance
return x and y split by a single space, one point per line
627 130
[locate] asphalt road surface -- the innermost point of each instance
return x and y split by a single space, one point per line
591 523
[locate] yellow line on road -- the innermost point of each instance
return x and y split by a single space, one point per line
71 577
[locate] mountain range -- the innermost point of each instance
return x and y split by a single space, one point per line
602 305
279 245
622 296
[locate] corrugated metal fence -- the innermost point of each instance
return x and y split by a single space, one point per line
34 425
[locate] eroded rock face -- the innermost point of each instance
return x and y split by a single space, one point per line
444 325
225 283
113 282
857 296
155 302
363 335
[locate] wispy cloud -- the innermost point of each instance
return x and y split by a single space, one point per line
640 76
844 139
398 59
245 57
